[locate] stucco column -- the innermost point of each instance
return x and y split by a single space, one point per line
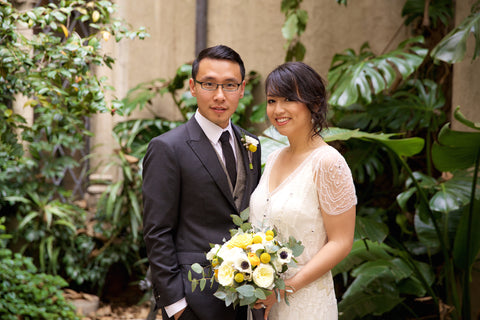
466 76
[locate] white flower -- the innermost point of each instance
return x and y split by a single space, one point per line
251 140
263 276
242 264
213 252
226 274
284 255
277 264
230 255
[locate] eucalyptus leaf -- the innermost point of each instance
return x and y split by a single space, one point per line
246 290
197 268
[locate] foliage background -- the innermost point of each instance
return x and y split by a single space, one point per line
391 102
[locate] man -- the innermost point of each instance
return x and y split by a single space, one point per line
192 183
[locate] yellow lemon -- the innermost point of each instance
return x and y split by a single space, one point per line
269 238
270 233
265 257
257 239
215 262
239 277
252 148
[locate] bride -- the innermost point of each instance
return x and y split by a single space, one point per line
306 191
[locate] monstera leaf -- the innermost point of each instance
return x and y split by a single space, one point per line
452 48
356 78
272 140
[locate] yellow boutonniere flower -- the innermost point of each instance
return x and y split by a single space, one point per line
251 146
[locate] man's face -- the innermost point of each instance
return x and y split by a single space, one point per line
218 105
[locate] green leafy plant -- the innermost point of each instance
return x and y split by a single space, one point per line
357 78
295 24
25 292
453 46
52 68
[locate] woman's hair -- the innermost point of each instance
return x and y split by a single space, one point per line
297 81
219 52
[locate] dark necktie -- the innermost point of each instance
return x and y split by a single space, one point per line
230 162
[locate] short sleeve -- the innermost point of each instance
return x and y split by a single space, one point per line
333 178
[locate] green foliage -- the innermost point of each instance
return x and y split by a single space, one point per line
46 57
453 46
25 292
438 11
295 24
357 78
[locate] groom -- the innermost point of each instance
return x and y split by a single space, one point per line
194 178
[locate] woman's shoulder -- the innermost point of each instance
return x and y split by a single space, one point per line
327 155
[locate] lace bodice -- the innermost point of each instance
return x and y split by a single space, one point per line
323 181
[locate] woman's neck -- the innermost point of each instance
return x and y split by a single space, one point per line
299 145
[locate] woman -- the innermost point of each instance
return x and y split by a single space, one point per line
307 192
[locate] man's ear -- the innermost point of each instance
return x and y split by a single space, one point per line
192 87
242 88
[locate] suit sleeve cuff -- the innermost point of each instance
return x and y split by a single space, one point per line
176 307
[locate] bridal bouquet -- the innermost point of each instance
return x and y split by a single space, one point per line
249 265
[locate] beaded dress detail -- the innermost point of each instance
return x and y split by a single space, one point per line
323 180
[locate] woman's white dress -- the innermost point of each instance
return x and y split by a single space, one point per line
322 180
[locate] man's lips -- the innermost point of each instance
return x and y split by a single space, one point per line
218 109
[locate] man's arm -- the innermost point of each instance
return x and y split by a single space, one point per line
161 190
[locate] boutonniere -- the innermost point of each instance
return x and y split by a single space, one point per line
251 146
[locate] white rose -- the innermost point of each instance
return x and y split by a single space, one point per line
226 274
213 252
284 255
251 140
263 276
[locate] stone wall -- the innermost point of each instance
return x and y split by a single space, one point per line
253 28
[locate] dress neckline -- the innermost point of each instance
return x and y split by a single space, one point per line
291 174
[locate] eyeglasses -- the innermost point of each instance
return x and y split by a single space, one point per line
211 86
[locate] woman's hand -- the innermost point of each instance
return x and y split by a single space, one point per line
267 303
271 299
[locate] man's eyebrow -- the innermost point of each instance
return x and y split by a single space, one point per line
210 78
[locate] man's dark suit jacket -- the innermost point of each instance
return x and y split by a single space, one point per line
187 206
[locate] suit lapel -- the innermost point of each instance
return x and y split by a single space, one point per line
246 161
198 141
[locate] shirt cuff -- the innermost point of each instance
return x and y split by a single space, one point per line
174 308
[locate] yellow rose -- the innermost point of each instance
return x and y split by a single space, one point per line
254 260
240 241
263 276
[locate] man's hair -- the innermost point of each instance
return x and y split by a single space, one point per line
219 52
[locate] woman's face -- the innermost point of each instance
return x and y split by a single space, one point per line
290 118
